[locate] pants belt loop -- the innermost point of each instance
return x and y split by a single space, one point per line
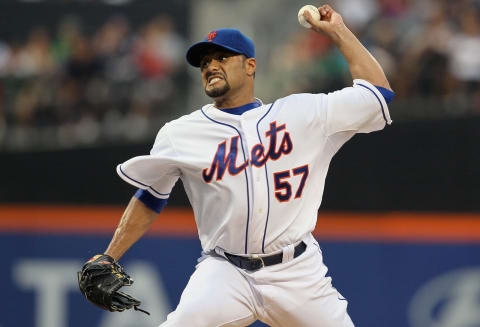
288 252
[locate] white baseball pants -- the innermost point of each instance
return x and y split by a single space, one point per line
290 294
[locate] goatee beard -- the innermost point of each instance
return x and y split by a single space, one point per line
218 92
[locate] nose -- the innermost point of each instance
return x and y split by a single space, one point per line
211 64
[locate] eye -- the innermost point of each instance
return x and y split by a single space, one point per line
204 64
222 57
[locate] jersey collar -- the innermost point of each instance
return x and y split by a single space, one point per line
240 110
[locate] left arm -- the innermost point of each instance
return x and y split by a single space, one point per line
136 220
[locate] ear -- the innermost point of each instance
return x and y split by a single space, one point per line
250 66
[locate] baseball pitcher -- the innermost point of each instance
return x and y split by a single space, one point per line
254 173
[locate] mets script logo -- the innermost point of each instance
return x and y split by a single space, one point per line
449 300
211 35
223 162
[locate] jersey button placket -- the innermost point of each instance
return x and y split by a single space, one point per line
255 234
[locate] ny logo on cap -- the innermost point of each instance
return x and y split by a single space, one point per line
211 35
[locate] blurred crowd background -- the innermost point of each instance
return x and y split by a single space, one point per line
72 82
80 88
75 82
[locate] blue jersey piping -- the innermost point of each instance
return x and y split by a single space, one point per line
381 105
147 186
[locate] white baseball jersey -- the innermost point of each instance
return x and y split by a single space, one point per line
255 180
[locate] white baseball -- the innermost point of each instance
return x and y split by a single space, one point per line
312 10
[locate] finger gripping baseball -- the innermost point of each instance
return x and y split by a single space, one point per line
100 280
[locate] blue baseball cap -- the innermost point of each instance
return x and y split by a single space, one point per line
226 38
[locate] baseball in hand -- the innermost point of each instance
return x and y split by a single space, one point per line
313 11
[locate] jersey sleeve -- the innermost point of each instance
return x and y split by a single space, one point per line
156 172
360 109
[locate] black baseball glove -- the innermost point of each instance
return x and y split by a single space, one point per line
100 280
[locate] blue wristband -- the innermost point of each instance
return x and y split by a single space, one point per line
387 94
150 200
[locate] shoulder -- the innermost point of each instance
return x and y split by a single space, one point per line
180 127
192 117
183 122
180 122
299 102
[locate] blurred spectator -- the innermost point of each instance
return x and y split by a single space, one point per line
424 60
357 13
4 58
67 32
83 62
159 51
34 58
464 51
308 63
113 44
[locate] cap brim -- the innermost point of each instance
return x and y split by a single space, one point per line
196 52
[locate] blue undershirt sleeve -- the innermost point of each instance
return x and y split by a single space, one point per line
151 201
387 94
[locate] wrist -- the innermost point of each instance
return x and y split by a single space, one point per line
113 255
340 34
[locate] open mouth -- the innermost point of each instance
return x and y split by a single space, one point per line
213 79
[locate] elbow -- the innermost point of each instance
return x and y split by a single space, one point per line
382 82
386 85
